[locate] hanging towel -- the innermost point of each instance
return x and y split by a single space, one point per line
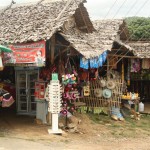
94 62
145 63
84 63
100 61
104 56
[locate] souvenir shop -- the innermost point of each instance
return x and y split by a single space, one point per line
140 82
21 70
29 68
140 78
135 73
7 88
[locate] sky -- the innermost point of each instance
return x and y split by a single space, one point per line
108 9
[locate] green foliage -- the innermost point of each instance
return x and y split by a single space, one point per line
139 28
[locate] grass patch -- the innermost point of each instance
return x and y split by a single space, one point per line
127 128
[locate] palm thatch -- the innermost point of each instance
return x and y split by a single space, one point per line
39 21
94 44
141 48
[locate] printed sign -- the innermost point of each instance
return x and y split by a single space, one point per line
33 53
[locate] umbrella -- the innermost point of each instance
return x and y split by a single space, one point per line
5 49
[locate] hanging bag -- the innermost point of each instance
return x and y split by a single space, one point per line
7 100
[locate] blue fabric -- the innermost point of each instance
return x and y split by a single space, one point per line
116 111
104 56
94 62
84 63
100 61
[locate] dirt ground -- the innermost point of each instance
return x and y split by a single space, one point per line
97 133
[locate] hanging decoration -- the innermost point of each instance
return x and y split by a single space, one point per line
95 62
84 63
135 65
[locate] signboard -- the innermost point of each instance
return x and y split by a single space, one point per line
54 97
28 53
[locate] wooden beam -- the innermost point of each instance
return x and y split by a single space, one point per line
122 56
52 45
61 52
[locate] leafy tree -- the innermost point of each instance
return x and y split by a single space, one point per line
139 28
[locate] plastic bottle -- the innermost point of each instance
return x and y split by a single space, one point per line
141 107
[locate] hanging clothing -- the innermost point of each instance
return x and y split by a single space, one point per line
100 61
135 65
84 63
145 63
104 56
93 62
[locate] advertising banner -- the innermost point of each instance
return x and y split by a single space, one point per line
28 53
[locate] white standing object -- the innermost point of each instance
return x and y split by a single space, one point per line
141 107
54 98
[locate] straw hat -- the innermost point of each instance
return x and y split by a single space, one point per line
98 92
110 84
102 83
107 93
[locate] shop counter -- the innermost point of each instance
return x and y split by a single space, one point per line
41 110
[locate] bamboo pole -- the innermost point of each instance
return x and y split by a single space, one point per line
122 75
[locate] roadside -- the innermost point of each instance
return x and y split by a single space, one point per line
97 132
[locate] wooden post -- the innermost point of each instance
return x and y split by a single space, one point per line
52 50
52 56
122 71
107 67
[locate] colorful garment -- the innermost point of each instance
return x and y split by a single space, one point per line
84 63
135 65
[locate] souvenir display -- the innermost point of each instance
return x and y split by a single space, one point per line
110 84
55 102
107 93
98 92
102 83
71 93
86 91
135 65
40 87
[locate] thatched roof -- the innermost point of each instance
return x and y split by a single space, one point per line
38 21
94 44
141 48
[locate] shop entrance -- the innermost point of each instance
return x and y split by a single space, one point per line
25 88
